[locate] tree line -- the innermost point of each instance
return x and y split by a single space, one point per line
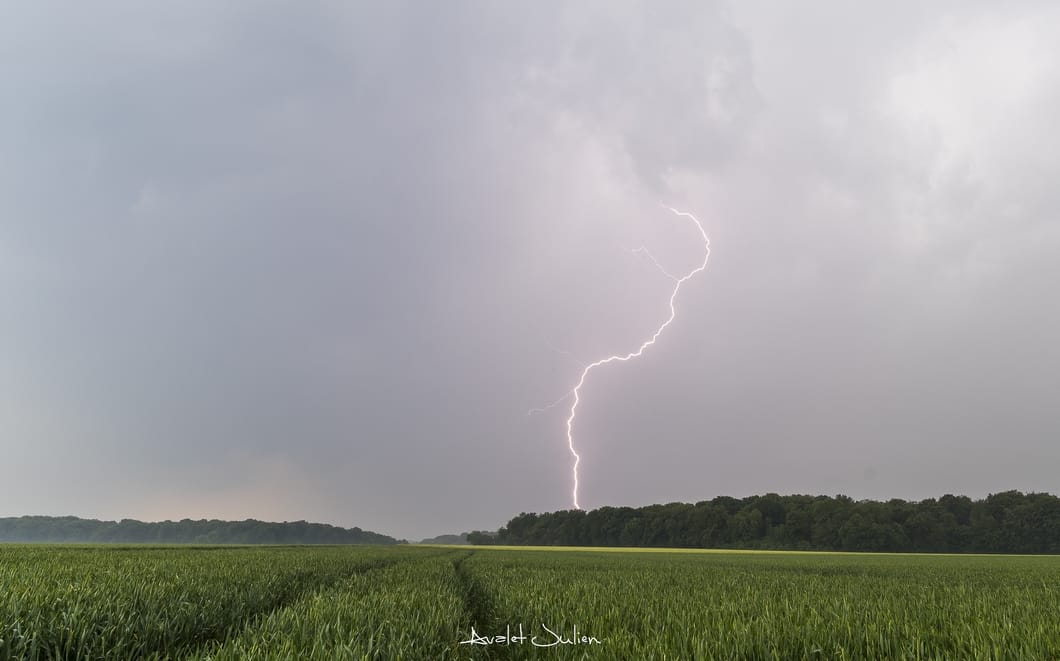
1008 522
71 529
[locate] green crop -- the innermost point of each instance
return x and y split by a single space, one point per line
138 602
225 603
777 606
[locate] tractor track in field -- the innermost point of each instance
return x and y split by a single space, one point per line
288 598
481 611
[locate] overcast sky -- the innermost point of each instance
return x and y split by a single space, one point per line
316 261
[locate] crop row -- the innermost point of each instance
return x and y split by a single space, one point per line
783 606
410 610
219 604
151 602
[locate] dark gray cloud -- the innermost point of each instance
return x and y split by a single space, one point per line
318 262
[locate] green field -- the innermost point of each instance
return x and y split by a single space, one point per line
408 602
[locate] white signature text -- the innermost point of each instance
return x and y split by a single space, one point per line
542 640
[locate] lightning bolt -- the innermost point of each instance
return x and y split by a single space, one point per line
576 391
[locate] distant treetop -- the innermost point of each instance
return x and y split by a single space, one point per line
1008 522
71 529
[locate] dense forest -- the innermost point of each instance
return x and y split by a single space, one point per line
128 531
1009 522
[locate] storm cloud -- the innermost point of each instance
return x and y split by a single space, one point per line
317 261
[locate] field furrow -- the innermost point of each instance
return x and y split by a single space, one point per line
410 610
